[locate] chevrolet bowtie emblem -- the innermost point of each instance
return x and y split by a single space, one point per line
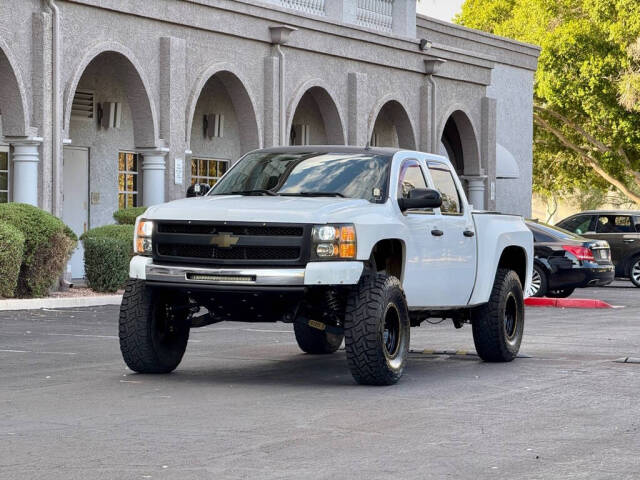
224 240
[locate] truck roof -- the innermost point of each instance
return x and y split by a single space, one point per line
334 149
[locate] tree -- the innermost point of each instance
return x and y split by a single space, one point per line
587 88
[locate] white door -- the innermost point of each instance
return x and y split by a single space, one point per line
75 208
424 245
456 266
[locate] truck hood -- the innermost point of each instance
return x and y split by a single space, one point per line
237 208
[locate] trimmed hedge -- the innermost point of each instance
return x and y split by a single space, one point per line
11 252
127 216
107 252
48 243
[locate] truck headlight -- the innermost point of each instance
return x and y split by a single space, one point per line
333 242
142 243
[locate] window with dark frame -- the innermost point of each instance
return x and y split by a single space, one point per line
444 183
4 174
128 186
207 170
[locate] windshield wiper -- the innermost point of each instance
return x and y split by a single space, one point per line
258 191
315 194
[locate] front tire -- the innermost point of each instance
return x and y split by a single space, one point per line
314 341
498 325
377 330
152 339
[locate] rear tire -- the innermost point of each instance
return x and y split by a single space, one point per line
561 293
316 342
498 325
151 340
377 330
634 271
539 282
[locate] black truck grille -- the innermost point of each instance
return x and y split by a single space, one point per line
219 243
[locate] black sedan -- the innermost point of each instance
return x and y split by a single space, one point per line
565 261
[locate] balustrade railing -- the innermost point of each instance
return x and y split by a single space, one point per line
375 14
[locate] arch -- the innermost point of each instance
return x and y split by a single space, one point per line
137 87
325 99
13 97
238 90
459 138
392 106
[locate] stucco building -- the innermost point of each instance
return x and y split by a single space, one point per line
107 103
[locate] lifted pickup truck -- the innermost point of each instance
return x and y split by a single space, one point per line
353 244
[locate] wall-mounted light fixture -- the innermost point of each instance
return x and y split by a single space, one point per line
109 114
213 125
425 44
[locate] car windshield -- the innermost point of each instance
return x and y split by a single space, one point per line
308 174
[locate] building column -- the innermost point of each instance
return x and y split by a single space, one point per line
153 175
476 188
26 159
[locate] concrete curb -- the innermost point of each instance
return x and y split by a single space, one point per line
566 302
64 302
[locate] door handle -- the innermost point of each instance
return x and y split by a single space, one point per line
629 240
437 233
468 233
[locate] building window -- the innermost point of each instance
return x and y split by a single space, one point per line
128 164
4 174
207 170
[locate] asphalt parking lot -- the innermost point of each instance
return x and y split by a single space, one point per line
245 403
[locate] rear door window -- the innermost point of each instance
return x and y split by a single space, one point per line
614 224
444 183
578 224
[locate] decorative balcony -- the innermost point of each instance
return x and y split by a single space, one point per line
397 17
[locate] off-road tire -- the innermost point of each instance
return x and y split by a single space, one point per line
495 338
314 341
378 300
544 282
146 345
560 293
634 263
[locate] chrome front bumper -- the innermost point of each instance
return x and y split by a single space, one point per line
226 276
315 273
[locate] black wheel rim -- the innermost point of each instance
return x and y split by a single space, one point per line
166 326
391 333
511 317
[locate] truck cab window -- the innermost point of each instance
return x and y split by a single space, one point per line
443 182
410 178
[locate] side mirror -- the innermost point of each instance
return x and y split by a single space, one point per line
421 198
197 190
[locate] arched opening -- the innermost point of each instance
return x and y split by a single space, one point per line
14 122
459 144
13 114
110 120
392 127
222 126
316 120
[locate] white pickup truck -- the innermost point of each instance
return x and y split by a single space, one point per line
353 244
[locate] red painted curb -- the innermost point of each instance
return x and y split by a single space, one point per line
566 302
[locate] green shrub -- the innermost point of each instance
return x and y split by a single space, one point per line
127 216
11 251
107 252
47 246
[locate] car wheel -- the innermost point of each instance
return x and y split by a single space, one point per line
377 330
634 271
314 341
538 282
153 339
498 325
561 293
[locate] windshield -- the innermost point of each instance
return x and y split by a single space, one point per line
308 174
